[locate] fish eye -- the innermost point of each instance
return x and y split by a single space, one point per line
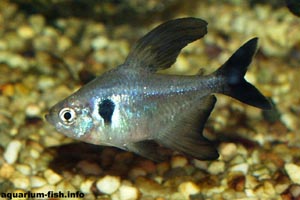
67 115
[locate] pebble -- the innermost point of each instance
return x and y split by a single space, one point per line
86 186
228 151
266 189
293 172
128 192
65 185
89 168
136 172
216 167
25 32
162 168
7 89
52 177
63 44
178 161
149 187
3 45
37 22
44 189
108 184
243 167
45 82
188 188
37 181
99 42
236 181
289 121
24 169
32 110
147 165
295 191
6 171
51 141
200 164
34 153
251 182
21 182
15 61
76 179
262 172
12 151
280 188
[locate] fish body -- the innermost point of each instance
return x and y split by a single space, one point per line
133 108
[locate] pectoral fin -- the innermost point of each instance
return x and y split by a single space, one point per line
160 47
186 136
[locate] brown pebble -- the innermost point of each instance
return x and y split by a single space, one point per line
7 90
6 170
89 168
237 182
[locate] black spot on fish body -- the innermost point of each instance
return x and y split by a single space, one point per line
106 110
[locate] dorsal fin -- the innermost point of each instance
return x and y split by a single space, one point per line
159 48
186 136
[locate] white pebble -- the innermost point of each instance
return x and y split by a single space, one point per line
243 167
289 120
44 189
108 184
45 82
34 153
24 169
25 32
65 186
178 161
21 182
128 192
293 172
12 151
86 185
52 177
99 43
6 170
228 150
63 43
50 141
188 188
37 181
216 167
32 110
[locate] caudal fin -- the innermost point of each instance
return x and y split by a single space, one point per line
233 71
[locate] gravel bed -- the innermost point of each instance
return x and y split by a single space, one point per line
42 61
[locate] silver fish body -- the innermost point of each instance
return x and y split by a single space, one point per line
132 107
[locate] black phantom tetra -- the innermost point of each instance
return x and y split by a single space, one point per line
131 106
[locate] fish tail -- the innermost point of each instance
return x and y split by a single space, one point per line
233 71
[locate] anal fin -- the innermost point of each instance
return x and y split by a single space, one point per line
148 149
186 135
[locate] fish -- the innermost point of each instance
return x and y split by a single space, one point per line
134 108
